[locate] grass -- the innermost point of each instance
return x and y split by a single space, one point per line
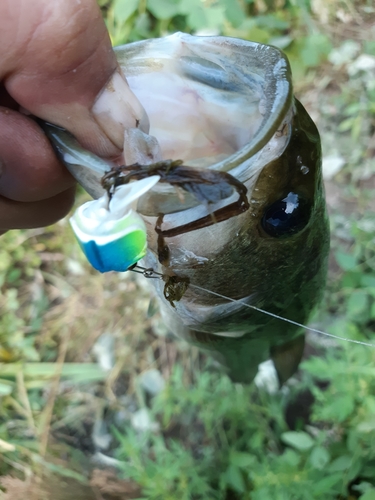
75 345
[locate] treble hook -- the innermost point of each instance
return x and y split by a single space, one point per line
174 288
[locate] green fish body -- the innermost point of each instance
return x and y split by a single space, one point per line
227 105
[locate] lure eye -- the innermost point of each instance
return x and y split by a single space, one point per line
286 217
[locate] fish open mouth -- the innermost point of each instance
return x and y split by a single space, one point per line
208 99
218 104
213 102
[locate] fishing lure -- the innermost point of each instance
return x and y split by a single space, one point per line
113 236
110 232
207 186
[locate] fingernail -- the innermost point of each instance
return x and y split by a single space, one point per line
117 109
140 148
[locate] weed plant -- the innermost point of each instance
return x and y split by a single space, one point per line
206 438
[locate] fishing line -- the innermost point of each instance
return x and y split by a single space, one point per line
315 330
150 273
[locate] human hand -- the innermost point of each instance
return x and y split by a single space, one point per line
56 62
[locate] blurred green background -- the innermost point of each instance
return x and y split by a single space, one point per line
96 399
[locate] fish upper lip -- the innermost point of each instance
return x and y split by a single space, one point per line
278 94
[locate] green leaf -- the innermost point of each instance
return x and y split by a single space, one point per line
355 470
318 367
363 486
234 12
369 47
346 261
215 18
164 9
315 49
342 327
358 303
340 464
235 479
299 440
351 279
352 109
6 387
272 22
368 280
369 495
123 9
242 460
366 426
346 125
319 457
368 471
259 35
281 42
340 408
197 17
291 457
326 485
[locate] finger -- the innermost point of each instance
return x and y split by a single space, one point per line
6 100
29 168
60 66
19 215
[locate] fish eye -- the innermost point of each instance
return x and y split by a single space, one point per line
286 217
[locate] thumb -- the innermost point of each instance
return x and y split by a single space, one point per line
60 66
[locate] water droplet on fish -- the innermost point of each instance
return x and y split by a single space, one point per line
305 170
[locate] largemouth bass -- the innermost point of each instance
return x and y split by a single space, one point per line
226 105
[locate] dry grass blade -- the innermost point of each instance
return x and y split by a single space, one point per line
22 392
46 417
104 485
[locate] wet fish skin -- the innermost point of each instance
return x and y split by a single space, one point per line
237 258
285 276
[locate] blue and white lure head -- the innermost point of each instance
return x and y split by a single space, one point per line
110 232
